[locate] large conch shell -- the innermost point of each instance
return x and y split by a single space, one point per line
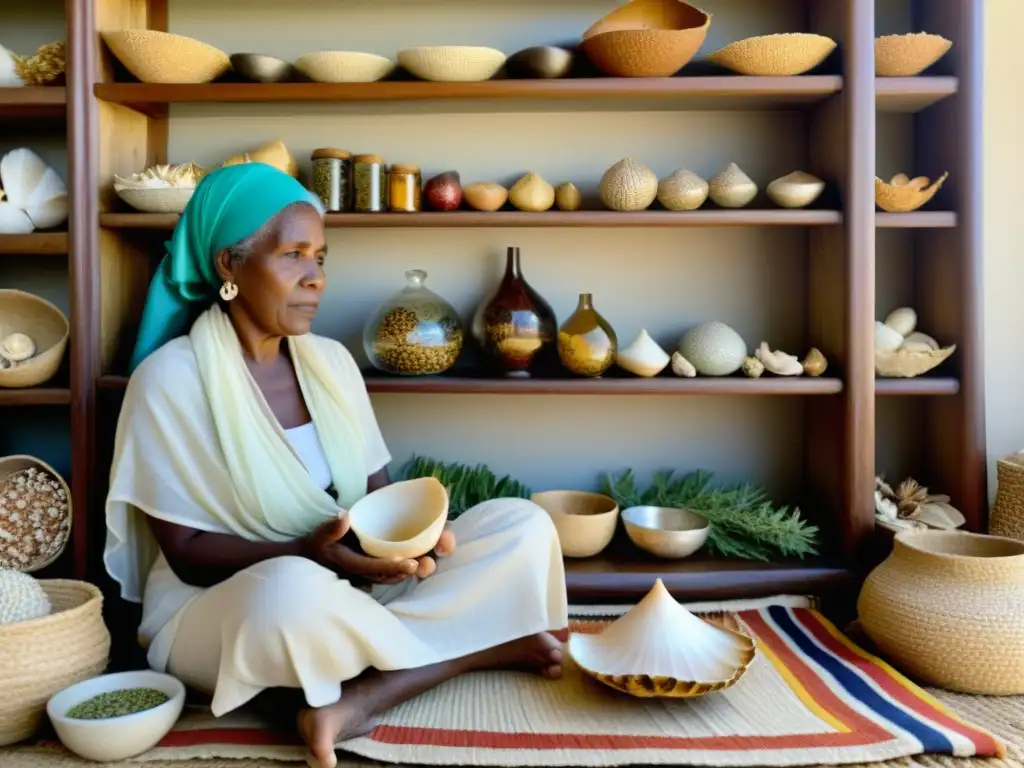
660 649
186 175
9 77
643 356
34 188
401 521
903 194
273 153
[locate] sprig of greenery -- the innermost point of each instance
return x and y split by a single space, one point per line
743 521
467 486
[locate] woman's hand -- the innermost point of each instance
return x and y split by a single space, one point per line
324 547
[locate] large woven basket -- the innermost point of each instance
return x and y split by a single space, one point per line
45 324
38 658
946 608
1008 511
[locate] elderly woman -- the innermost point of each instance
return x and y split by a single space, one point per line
242 441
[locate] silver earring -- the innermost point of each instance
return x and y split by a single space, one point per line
228 291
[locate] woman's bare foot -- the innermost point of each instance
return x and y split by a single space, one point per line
324 727
534 653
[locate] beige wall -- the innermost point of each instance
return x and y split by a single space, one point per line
1004 230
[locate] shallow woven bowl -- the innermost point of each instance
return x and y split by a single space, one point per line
904 364
157 199
903 198
42 322
11 464
908 55
38 658
162 57
585 522
452 63
646 38
344 66
259 68
775 55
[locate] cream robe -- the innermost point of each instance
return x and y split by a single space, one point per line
287 622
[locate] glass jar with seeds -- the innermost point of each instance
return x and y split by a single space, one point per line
405 189
332 178
415 332
371 182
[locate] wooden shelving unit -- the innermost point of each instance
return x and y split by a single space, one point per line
830 124
35 244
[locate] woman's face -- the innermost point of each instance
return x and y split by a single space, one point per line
280 283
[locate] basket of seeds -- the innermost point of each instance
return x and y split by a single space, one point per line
35 514
415 332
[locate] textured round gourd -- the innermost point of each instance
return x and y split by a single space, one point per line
732 188
452 63
532 194
791 53
713 348
945 607
683 190
628 186
485 196
42 322
162 57
344 66
908 363
902 195
646 38
403 520
908 55
568 197
21 598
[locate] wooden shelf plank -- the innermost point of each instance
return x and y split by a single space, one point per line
916 220
52 243
921 385
912 94
660 385
33 102
516 219
625 574
35 396
693 92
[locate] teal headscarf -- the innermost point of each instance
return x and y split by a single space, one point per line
229 205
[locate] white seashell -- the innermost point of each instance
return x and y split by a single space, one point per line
795 190
682 367
919 342
778 362
48 206
902 320
401 521
35 188
14 221
643 356
732 188
886 339
641 653
9 77
938 515
17 347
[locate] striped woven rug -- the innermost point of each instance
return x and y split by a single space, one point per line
810 697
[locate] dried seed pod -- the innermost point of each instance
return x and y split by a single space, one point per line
815 362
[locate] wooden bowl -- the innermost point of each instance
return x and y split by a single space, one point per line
401 521
42 322
162 57
646 38
906 364
344 67
259 68
902 195
585 521
666 532
452 63
11 464
775 55
908 55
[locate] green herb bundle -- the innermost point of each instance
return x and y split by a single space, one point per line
743 521
467 486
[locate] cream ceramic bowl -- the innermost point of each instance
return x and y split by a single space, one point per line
665 531
116 738
402 520
585 522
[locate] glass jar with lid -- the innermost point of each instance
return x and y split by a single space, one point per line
371 183
405 190
332 178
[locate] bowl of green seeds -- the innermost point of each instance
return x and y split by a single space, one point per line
117 716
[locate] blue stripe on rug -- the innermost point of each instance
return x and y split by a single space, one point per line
932 740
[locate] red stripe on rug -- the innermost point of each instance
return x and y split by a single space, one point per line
985 745
813 682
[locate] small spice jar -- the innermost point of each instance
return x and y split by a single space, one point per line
371 190
332 178
405 191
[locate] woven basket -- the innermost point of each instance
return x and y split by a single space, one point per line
41 657
11 464
908 55
344 66
42 322
452 63
946 607
162 57
775 55
1008 511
